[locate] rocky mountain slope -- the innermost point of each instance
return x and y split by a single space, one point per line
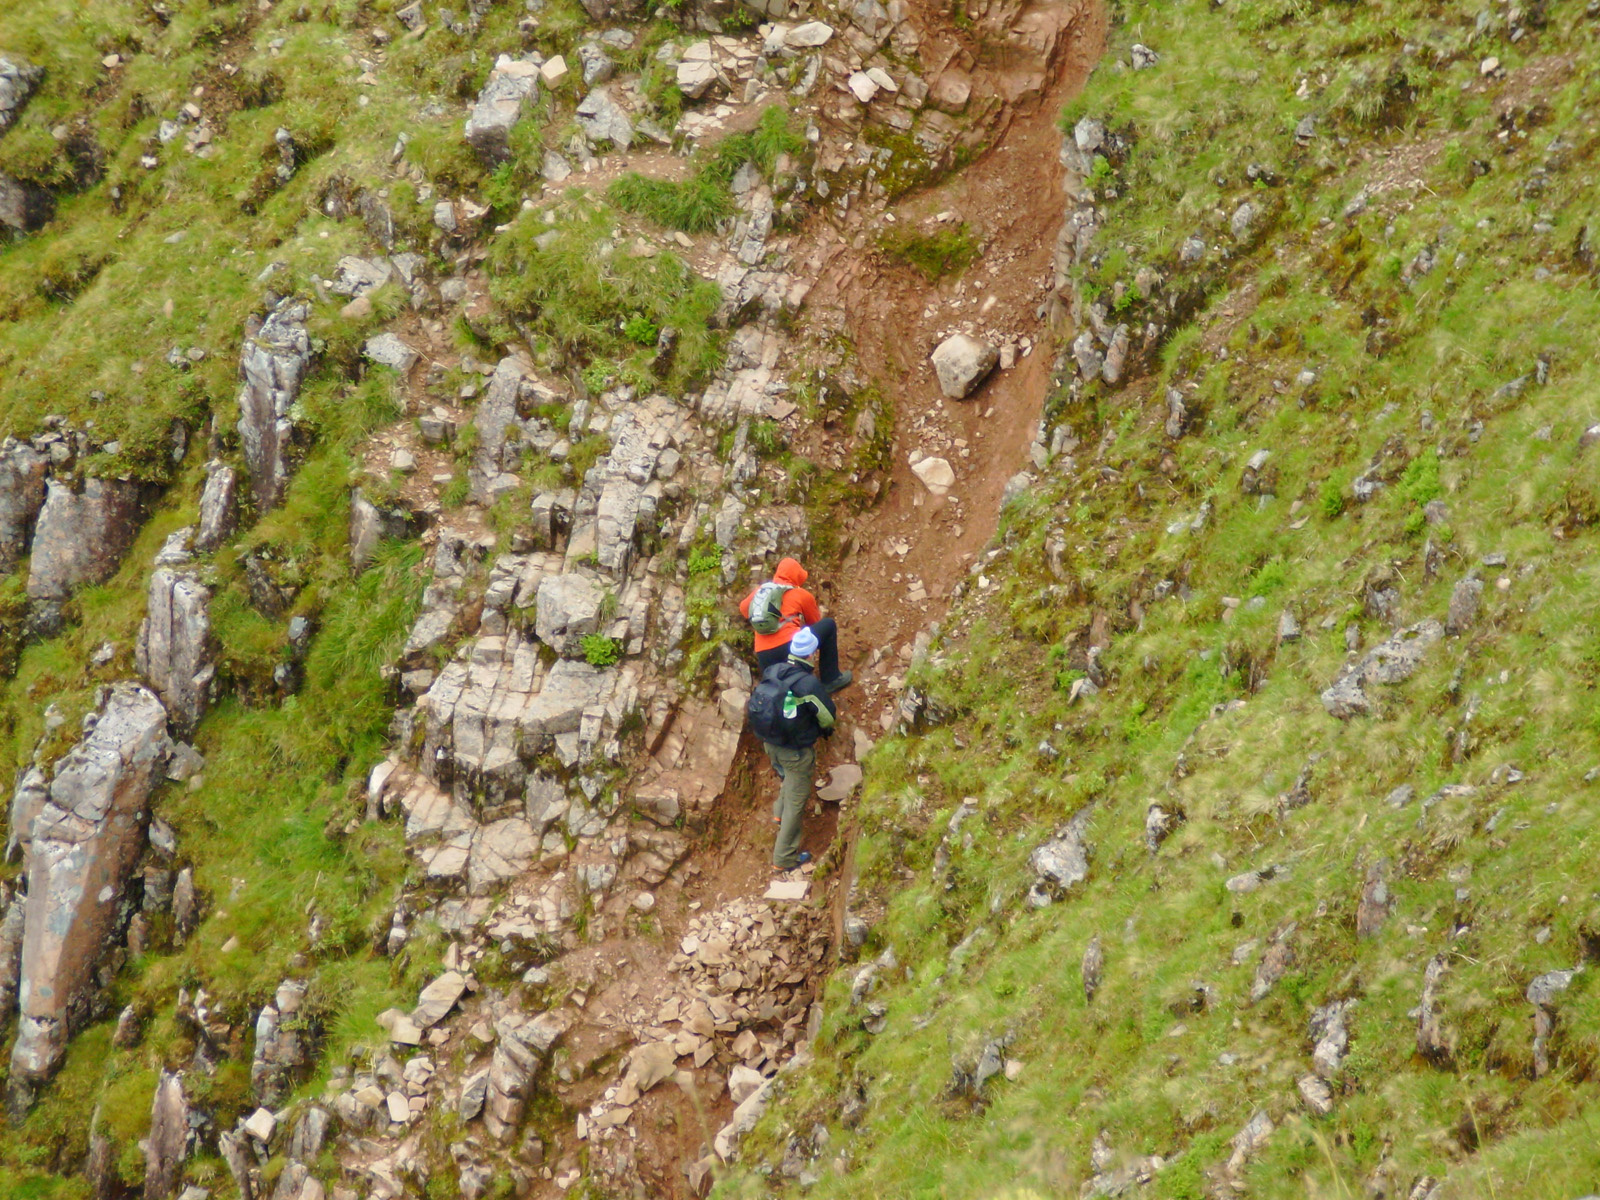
397 398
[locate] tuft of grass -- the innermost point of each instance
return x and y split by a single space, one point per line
704 200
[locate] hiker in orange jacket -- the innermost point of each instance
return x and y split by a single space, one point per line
795 609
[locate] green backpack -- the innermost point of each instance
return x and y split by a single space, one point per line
766 607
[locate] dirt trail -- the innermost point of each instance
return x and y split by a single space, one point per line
1012 198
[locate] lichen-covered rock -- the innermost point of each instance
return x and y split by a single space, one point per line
521 1045
174 651
491 713
12 907
80 539
603 119
498 427
1392 661
273 364
1061 863
22 472
370 525
219 511
85 841
511 86
167 1145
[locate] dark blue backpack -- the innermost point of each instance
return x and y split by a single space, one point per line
766 709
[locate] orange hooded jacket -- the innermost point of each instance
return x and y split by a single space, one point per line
799 606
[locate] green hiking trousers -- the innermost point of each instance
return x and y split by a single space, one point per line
795 768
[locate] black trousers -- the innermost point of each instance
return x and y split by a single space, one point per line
827 631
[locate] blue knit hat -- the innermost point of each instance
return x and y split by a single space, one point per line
804 644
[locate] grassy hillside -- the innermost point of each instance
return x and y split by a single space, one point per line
1410 302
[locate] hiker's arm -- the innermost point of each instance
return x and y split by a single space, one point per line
820 703
744 606
808 606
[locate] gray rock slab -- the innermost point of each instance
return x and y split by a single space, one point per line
273 364
85 842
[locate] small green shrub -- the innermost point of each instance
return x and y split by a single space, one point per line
600 650
1330 498
705 560
640 329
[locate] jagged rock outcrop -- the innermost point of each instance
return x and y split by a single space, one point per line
85 840
1061 863
1392 661
219 507
497 709
167 1144
282 1047
80 539
521 1044
174 651
273 365
370 525
568 610
22 475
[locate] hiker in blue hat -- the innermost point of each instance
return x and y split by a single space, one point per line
789 710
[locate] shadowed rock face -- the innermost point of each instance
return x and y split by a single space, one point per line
24 206
22 471
80 539
85 840
273 364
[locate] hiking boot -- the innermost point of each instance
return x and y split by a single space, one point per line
839 682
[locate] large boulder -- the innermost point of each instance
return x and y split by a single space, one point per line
174 652
962 363
511 85
273 364
22 472
85 841
80 539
